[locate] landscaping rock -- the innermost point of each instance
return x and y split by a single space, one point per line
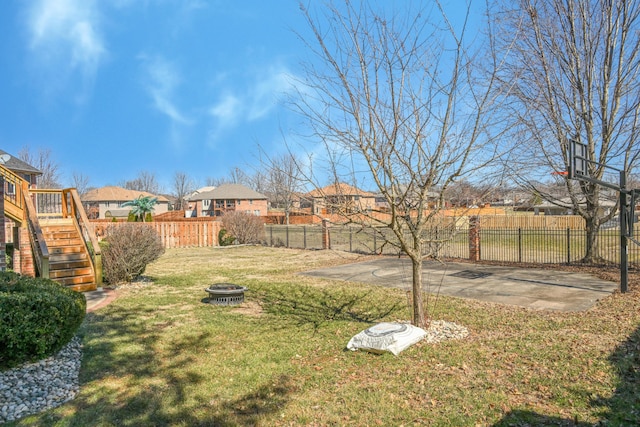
42 385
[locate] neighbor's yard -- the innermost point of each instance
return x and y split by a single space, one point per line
158 356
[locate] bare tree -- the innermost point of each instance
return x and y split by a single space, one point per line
236 176
183 185
44 162
394 103
576 71
282 182
145 181
80 182
464 193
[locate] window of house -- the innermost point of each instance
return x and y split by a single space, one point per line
250 201
11 188
206 204
256 212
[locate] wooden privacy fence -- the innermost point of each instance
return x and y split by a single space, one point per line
174 234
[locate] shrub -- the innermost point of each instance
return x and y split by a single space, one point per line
246 228
38 318
224 239
127 250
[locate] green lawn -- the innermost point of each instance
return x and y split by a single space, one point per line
159 356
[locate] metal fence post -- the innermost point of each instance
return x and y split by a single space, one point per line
568 246
519 244
375 243
304 236
350 239
286 232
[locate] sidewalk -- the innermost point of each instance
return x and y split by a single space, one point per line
99 298
535 288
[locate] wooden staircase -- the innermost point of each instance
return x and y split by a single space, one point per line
69 261
64 246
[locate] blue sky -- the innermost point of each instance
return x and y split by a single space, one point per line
117 87
122 86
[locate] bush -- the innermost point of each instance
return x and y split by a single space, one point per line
38 318
224 239
127 250
245 228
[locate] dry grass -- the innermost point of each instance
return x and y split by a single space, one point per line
159 356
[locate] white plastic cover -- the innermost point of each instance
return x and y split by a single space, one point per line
393 337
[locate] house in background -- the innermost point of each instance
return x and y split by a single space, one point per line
340 198
106 202
20 168
225 198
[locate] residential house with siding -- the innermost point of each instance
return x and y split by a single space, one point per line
340 198
106 202
225 198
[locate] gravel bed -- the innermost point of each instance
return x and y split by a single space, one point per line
42 385
440 330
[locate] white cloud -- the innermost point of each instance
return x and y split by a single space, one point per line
256 102
65 34
266 93
162 79
227 110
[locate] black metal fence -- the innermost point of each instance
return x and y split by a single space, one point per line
535 246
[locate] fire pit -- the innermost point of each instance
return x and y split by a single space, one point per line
225 294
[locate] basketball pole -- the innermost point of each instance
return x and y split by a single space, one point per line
624 240
577 169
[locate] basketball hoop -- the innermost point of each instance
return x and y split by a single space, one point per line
560 173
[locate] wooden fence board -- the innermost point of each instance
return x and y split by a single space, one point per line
174 234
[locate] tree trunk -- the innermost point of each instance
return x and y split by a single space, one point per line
592 227
418 309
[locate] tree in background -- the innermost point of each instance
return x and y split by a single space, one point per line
236 176
42 160
142 206
183 185
282 181
80 182
574 70
145 181
395 104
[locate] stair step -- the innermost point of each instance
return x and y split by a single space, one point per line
63 234
54 243
83 287
48 222
75 280
56 264
56 274
67 257
58 250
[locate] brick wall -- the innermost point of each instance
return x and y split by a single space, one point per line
474 238
3 238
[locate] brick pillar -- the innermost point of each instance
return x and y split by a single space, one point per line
3 236
326 237
23 245
474 238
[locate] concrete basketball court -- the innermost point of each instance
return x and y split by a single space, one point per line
535 288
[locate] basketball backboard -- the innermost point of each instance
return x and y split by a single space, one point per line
577 159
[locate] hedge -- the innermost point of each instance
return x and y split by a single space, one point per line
37 318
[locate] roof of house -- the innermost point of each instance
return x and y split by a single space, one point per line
200 190
117 194
17 165
229 192
340 189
